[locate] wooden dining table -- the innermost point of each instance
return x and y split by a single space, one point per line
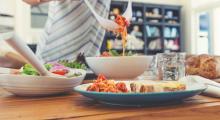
75 106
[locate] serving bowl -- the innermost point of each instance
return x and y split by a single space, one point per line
27 85
123 67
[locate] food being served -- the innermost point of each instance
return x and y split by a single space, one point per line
114 53
79 63
203 65
53 67
123 24
72 64
104 85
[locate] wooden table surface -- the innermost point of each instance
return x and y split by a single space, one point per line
75 106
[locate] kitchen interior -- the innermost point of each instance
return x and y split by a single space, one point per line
156 26
173 67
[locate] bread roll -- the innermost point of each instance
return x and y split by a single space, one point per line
203 65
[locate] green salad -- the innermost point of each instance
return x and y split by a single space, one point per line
27 69
113 53
73 64
53 67
62 67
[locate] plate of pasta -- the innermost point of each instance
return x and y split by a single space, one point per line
144 92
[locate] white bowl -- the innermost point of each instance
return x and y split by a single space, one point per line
25 85
125 67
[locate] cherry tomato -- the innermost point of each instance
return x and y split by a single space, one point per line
60 72
122 87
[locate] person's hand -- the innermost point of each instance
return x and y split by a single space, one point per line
35 2
10 63
12 60
32 2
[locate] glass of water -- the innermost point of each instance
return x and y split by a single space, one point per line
170 66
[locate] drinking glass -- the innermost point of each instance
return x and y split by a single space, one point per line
170 66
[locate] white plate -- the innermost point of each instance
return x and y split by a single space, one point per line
24 85
142 99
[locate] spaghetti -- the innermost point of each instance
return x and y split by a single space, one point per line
123 24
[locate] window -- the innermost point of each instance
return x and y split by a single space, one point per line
207 32
203 34
216 31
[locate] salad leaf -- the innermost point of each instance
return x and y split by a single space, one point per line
48 66
114 53
28 69
72 64
129 53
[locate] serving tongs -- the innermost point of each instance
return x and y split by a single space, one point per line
109 24
21 47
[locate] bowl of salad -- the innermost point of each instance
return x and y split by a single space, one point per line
28 82
115 66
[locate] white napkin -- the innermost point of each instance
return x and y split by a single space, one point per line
213 88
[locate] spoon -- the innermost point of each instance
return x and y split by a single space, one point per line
25 51
109 24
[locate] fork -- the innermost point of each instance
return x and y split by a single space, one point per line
109 24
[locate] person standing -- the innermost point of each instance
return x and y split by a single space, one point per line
71 29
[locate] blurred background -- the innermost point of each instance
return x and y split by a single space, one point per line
190 26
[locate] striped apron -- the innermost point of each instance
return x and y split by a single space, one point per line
72 29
